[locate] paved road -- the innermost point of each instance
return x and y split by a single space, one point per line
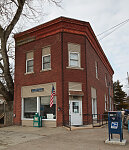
30 138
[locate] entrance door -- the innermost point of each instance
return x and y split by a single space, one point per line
75 112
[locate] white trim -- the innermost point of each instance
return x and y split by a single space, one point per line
78 53
26 65
94 107
96 70
42 63
38 105
22 109
70 67
38 110
79 114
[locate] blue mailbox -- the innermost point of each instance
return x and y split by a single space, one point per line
115 124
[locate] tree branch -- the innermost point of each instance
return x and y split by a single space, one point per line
1 66
15 19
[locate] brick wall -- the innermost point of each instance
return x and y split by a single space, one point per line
59 72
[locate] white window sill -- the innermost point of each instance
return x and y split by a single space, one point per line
28 73
78 68
97 78
49 69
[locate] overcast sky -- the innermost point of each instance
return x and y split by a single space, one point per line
102 15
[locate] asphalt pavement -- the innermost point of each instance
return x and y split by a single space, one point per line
33 138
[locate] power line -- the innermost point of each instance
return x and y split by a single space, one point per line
114 27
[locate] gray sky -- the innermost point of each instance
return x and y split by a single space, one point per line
102 15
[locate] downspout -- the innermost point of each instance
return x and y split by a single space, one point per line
86 74
62 76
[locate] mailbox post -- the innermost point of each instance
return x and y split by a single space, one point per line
115 124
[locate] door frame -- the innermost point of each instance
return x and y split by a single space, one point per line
80 110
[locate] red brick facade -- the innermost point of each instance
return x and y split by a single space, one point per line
58 33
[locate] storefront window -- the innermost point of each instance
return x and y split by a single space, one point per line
30 107
46 111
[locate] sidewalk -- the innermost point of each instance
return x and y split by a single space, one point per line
33 138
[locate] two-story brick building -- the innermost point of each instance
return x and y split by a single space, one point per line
65 53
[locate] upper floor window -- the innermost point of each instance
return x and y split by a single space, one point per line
96 69
106 79
74 59
74 55
46 58
29 62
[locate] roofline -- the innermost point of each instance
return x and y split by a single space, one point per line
49 23
71 21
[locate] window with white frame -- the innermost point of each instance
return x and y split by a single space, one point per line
96 69
46 58
106 79
94 102
30 107
29 62
74 55
74 59
39 105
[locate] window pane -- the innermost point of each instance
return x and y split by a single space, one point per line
46 59
74 56
46 65
30 65
74 63
30 107
46 62
75 107
30 62
30 69
46 111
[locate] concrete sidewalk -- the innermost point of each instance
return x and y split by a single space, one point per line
33 138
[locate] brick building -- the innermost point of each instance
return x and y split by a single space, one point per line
65 53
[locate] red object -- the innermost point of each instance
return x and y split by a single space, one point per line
52 96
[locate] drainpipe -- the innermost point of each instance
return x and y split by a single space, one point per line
62 76
86 74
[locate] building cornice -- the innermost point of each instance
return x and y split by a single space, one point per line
67 25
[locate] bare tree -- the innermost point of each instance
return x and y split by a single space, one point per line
10 13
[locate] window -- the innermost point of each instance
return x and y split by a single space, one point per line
46 58
30 65
74 55
74 59
46 111
75 107
46 62
94 107
106 79
94 102
29 62
30 107
105 102
96 69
